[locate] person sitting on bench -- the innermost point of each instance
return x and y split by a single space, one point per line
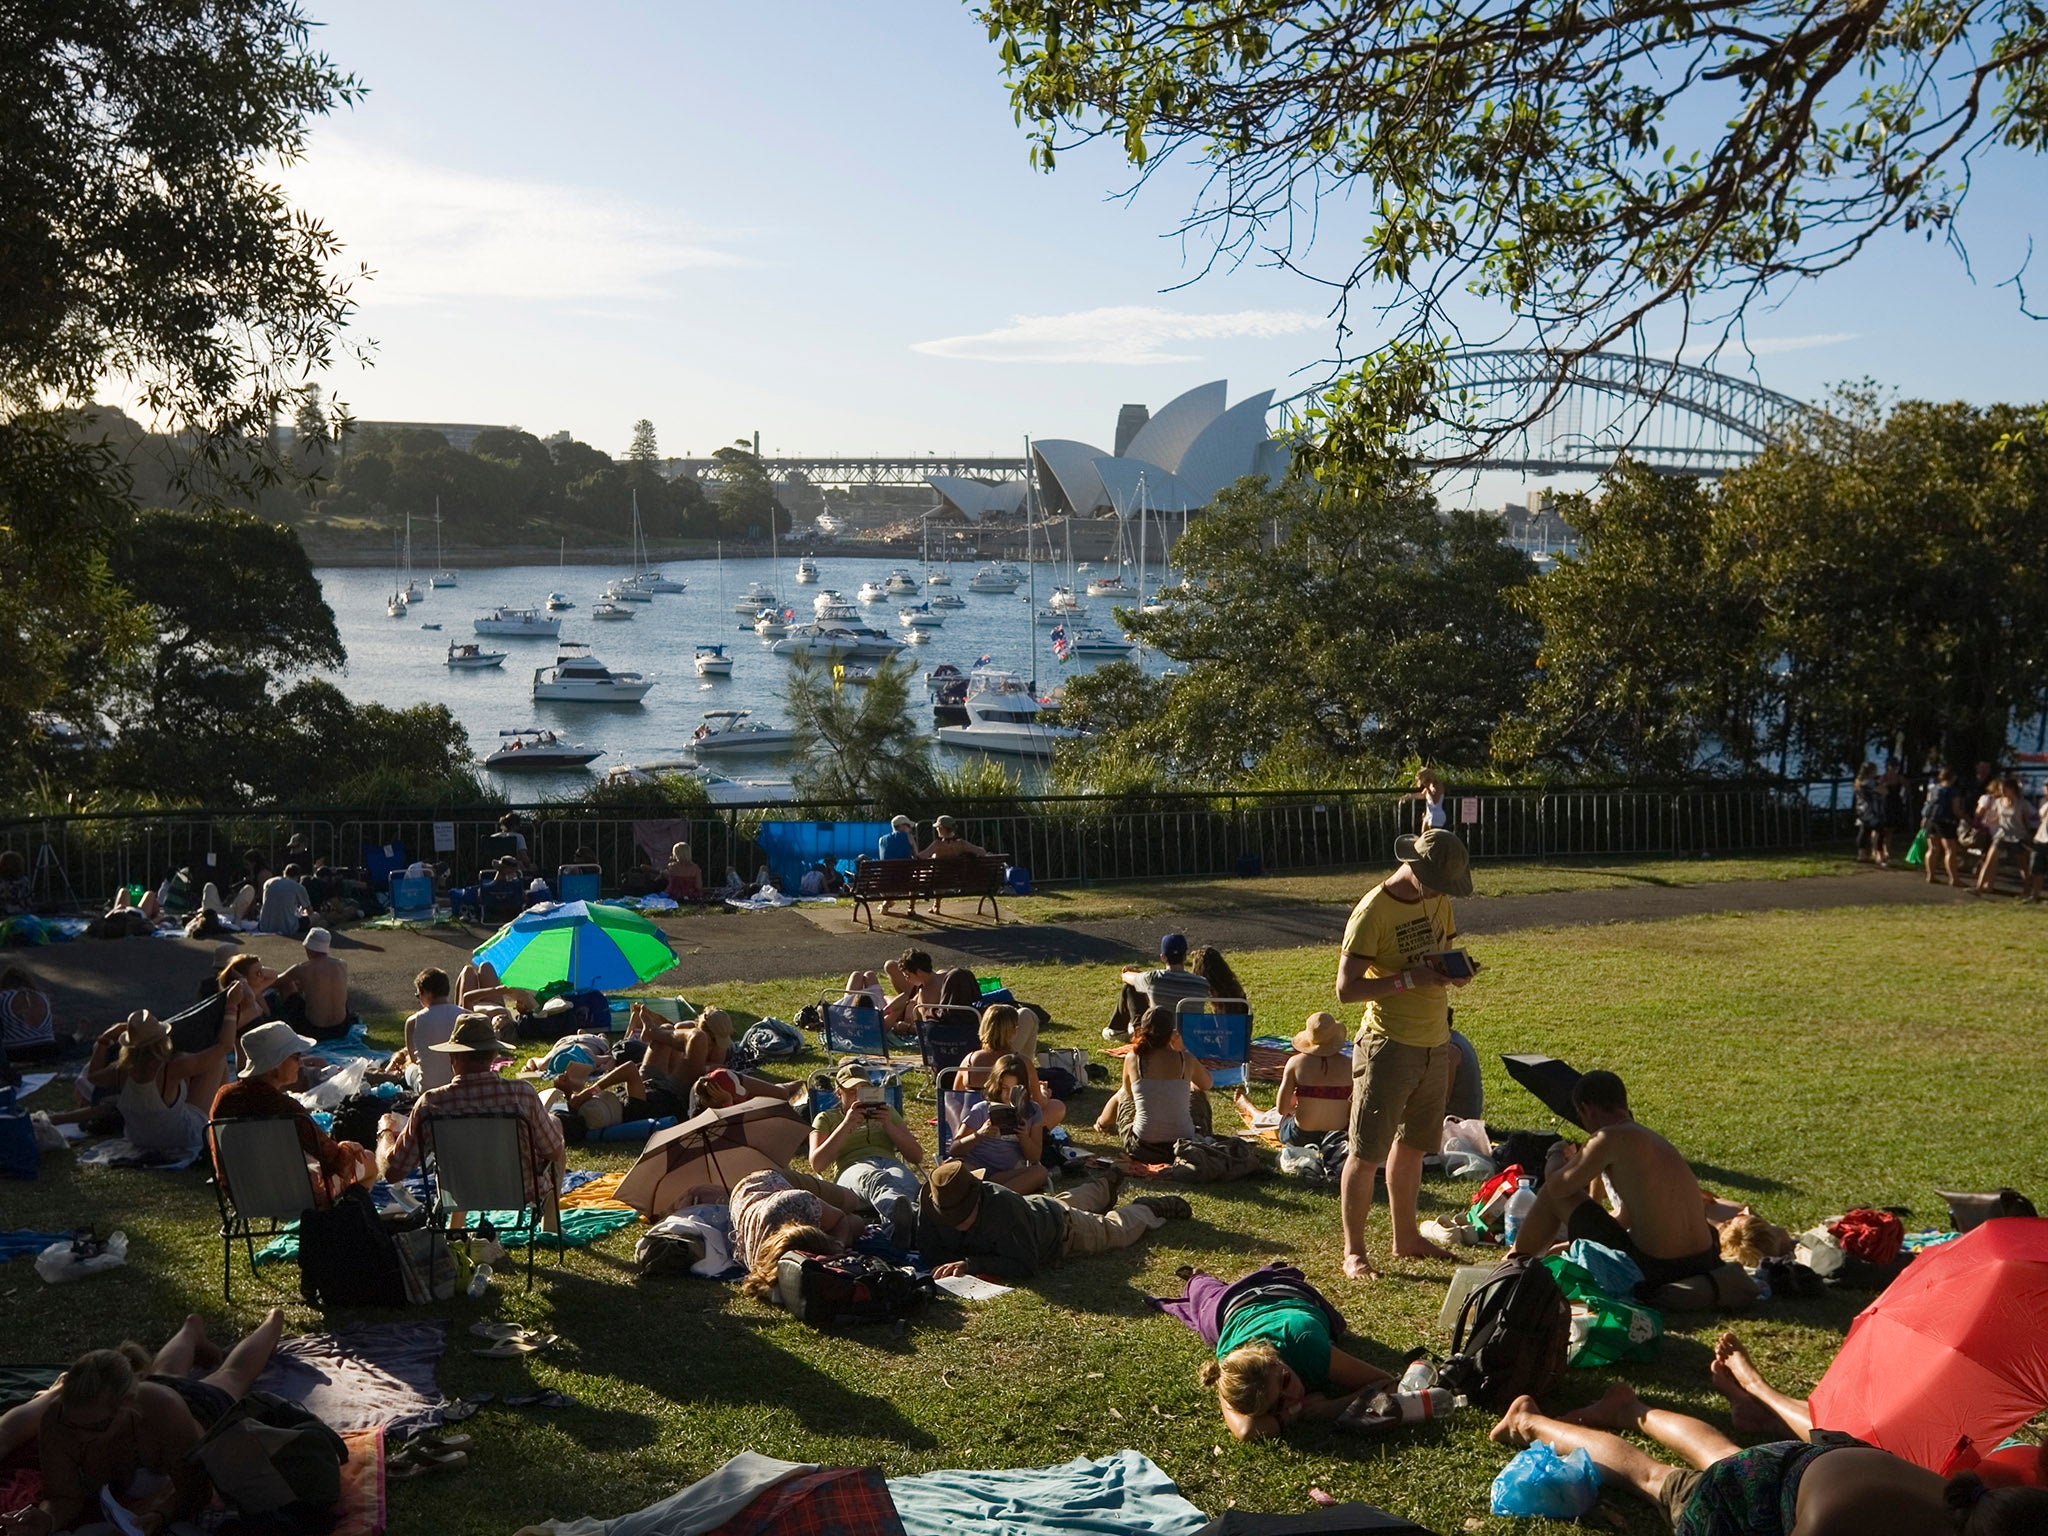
1659 1218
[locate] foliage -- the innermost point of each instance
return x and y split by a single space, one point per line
1351 630
644 449
856 743
746 496
667 794
1581 169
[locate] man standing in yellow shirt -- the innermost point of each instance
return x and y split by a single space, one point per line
1403 1060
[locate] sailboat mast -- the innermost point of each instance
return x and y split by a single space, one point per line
1031 605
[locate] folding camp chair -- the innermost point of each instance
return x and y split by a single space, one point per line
261 1181
946 1039
855 1029
954 1103
578 882
412 895
1222 1041
480 1163
382 861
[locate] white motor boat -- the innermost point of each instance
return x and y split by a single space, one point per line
828 526
1002 716
624 591
900 583
828 604
736 731
473 657
946 601
558 602
872 592
1110 586
994 579
920 616
920 637
651 580
942 577
836 642
758 595
1049 618
721 789
532 750
807 572
443 579
713 662
770 625
1087 641
524 623
583 679
852 675
1063 600
395 605
608 610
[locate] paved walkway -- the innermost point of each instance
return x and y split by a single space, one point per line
105 979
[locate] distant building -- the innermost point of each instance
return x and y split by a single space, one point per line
1130 421
1176 461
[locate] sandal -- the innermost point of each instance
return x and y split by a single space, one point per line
513 1348
548 1399
414 1459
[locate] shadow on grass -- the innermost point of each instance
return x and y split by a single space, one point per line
1714 1173
1036 945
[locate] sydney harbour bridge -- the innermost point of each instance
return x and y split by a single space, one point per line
1672 417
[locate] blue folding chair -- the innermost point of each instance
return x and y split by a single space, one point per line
412 895
577 882
1222 1041
948 1037
381 862
954 1103
823 1098
855 1029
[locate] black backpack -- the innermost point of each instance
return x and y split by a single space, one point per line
849 1288
356 1117
1514 1332
277 1465
347 1258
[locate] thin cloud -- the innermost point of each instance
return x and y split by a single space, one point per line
1135 334
1768 346
432 234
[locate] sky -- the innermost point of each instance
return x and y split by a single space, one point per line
818 221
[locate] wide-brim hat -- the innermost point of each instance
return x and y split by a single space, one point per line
955 1192
1322 1036
145 1028
474 1036
1439 859
270 1045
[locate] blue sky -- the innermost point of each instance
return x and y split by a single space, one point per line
818 220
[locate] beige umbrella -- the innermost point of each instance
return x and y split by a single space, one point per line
719 1147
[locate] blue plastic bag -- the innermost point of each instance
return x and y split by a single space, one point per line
1540 1482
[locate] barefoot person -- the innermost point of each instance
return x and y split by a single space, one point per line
1403 1061
1832 1486
1660 1216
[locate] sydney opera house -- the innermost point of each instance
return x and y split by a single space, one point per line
1174 461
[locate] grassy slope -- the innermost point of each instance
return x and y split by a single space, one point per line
1807 1061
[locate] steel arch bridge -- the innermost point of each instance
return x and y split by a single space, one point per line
1670 416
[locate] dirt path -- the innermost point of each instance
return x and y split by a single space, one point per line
104 980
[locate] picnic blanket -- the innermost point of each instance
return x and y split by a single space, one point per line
1270 1053
590 1210
1108 1496
366 1376
391 921
362 1510
120 1152
648 903
353 1046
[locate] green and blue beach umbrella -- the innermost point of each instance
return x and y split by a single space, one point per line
592 946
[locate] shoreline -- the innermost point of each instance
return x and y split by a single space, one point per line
349 558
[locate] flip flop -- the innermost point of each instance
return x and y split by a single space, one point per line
549 1399
415 1460
509 1349
499 1330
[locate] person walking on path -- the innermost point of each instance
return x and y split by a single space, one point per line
1403 1060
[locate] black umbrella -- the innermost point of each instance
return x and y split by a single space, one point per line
1550 1080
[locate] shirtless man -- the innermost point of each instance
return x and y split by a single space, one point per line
916 984
321 983
1660 1216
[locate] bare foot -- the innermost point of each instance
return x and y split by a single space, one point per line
1734 1373
1515 1426
1423 1248
1618 1409
1358 1267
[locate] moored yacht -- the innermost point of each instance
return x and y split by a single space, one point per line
828 604
872 592
609 610
807 572
1110 586
713 662
836 642
758 595
1002 716
900 583
736 731
942 577
770 625
523 623
532 750
473 657
920 616
991 578
1087 641
558 602
583 679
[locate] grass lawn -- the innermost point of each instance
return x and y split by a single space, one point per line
1147 898
1806 1061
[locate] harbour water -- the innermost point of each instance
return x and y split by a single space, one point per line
399 662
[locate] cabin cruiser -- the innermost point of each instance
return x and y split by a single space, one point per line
1002 716
770 625
532 750
473 656
827 526
609 611
713 662
736 731
838 641
942 577
992 578
1051 617
758 595
946 600
442 579
526 623
624 591
921 616
583 679
947 686
558 602
900 583
1063 600
651 580
920 637
871 592
1087 641
807 572
828 604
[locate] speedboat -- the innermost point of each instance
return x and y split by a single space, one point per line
558 602
532 750
1110 586
942 577
1002 716
920 616
807 572
770 625
608 610
721 789
993 579
736 731
835 642
946 600
1087 641
526 623
758 595
713 662
828 604
900 583
395 605
919 637
430 626
472 656
583 679
872 592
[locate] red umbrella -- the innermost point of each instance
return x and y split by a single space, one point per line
1953 1357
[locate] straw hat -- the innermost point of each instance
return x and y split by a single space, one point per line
270 1045
1439 860
145 1028
1321 1036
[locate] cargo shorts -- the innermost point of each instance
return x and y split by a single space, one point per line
1398 1093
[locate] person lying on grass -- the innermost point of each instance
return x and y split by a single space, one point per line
1660 1217
123 1422
1832 1485
780 1210
1002 1135
967 1226
1273 1363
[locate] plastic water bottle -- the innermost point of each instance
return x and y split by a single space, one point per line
480 1282
1419 1377
1415 1407
1520 1203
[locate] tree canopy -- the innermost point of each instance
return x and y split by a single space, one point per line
1581 168
856 742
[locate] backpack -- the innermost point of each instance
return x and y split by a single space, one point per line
1513 1334
347 1258
270 1458
849 1288
1212 1159
356 1117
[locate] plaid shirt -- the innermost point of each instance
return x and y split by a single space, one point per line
483 1093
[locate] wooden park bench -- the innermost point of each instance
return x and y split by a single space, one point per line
979 876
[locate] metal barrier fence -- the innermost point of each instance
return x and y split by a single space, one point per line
84 859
